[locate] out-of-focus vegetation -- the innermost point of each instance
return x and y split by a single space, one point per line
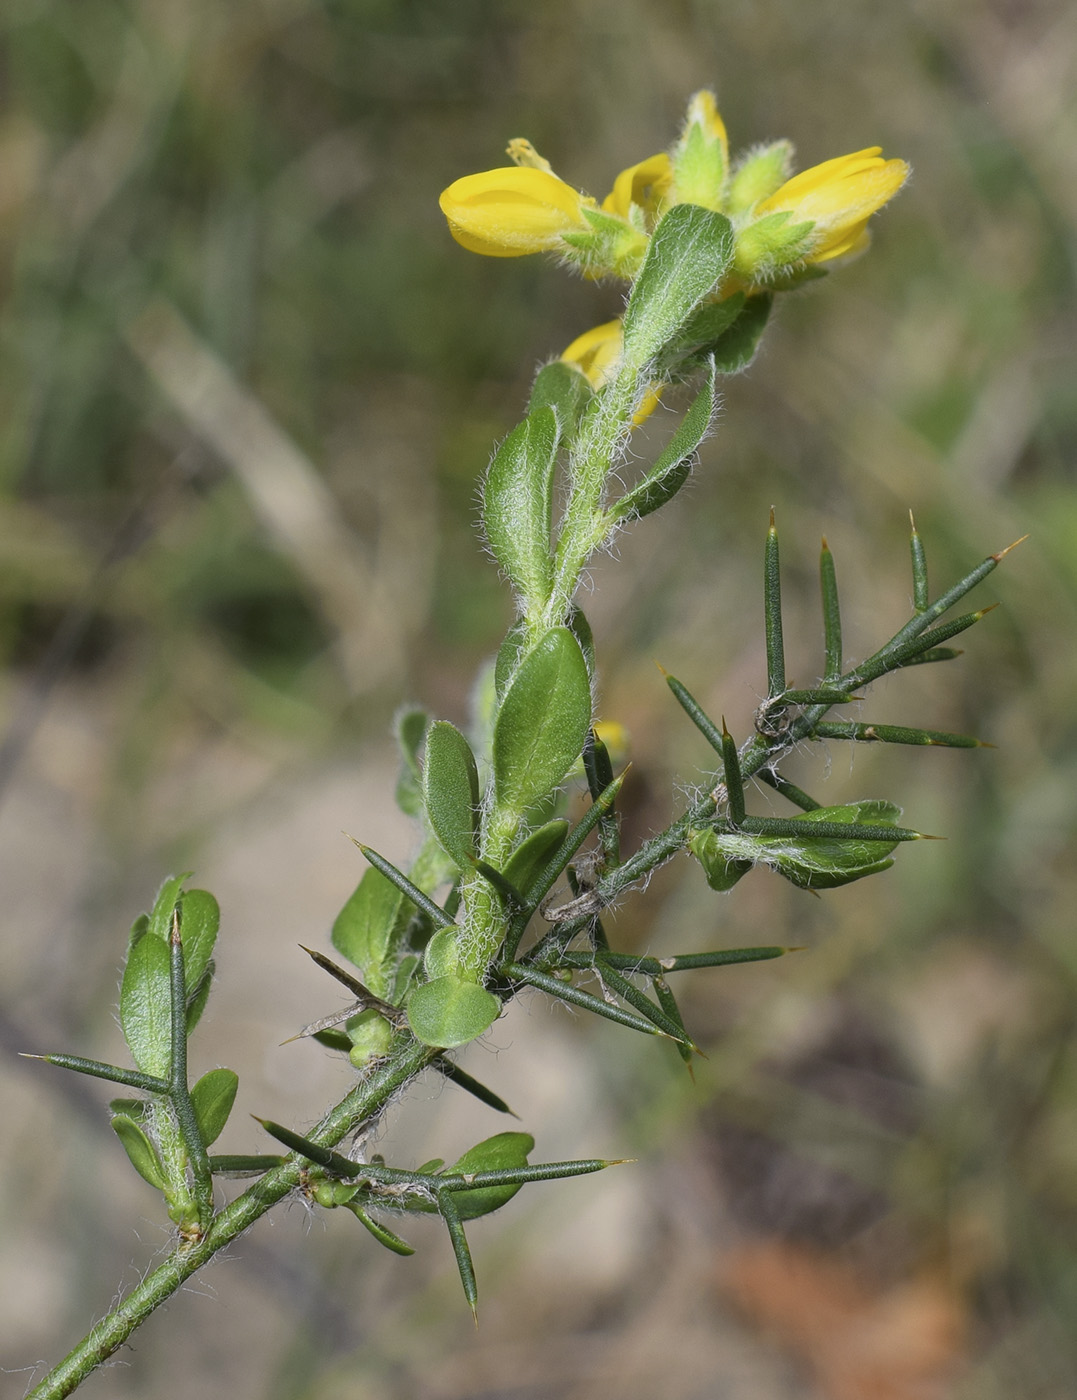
247 384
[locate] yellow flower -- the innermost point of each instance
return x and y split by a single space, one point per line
596 354
837 198
513 211
644 185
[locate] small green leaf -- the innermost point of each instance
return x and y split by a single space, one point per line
139 929
673 467
451 791
200 919
451 1011
140 1150
735 350
363 931
196 1002
441 957
381 1232
503 1152
812 862
160 924
581 629
543 721
213 1097
531 856
146 1005
702 331
517 501
689 252
563 388
722 871
410 730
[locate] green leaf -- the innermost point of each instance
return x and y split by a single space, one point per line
508 657
139 929
160 924
702 332
530 857
690 250
146 1005
673 467
410 730
381 1232
200 919
580 628
131 1108
441 957
140 1150
816 863
451 1011
451 791
735 349
363 931
543 721
722 871
565 389
503 1152
517 501
196 1001
213 1097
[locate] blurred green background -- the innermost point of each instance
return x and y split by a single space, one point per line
248 385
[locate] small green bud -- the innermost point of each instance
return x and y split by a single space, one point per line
700 158
758 174
370 1034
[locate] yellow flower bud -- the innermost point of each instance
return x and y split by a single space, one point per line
513 211
701 155
838 197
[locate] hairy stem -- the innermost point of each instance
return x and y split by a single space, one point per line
407 1059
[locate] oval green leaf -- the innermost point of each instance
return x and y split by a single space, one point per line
213 1097
363 930
532 855
503 1152
146 1005
517 502
451 1011
140 1150
543 721
200 919
451 791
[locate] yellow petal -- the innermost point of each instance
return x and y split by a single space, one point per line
596 352
595 355
643 184
512 211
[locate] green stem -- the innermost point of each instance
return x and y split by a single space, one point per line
407 1058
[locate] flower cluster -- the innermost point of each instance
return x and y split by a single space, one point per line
787 227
